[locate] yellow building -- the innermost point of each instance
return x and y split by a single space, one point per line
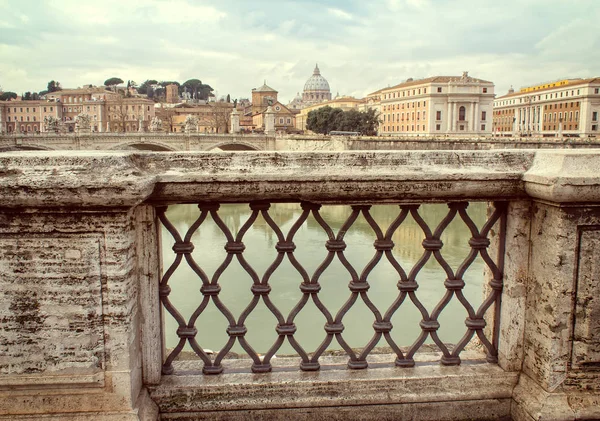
345 103
436 105
568 107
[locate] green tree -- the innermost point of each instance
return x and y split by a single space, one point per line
26 96
326 119
113 81
228 98
7 96
197 88
193 86
54 86
143 88
370 122
204 92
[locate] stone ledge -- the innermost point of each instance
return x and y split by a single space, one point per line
118 179
568 176
477 410
531 402
333 387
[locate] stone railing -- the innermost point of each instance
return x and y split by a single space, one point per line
82 284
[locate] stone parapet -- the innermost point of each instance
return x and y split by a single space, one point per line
80 321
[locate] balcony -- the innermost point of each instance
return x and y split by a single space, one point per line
88 293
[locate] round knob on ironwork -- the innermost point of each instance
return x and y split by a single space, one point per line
432 244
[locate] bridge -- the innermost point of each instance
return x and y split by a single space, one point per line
238 142
84 288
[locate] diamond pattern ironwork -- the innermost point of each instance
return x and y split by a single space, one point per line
358 286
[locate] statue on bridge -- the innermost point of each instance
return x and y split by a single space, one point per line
191 124
52 124
156 125
141 128
83 123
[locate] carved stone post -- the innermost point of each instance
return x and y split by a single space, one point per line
73 263
559 309
270 121
235 121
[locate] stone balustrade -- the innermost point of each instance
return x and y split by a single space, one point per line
80 266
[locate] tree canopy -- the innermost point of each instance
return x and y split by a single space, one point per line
143 88
29 96
113 81
328 119
197 88
54 86
6 96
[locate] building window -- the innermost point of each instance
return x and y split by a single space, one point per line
461 114
462 127
438 126
438 115
595 116
485 90
483 115
280 120
483 127
594 127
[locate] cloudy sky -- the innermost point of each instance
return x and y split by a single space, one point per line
233 45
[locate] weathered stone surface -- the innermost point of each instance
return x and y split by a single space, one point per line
51 301
391 385
160 141
69 312
568 176
586 334
480 410
58 179
514 293
79 266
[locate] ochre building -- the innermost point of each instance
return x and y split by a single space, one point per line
435 105
568 107
108 111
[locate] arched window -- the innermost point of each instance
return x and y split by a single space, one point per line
461 113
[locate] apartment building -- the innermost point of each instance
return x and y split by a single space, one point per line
435 105
567 107
26 116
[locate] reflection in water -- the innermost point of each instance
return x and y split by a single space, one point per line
260 241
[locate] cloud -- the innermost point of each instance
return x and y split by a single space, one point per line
338 13
233 46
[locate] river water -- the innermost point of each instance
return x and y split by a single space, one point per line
260 241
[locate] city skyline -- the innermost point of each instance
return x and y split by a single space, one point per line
234 46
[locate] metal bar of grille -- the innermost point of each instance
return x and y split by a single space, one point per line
358 286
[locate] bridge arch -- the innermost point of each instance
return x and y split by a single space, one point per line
143 146
234 146
28 147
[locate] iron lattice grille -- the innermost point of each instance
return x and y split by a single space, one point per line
407 285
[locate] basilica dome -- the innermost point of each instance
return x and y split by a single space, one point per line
316 89
316 82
